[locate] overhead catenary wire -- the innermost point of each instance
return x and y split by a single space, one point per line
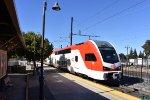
114 15
87 35
102 10
97 13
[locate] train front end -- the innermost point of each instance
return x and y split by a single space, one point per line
111 68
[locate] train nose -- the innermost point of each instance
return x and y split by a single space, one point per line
115 76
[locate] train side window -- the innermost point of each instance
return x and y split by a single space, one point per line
90 57
76 58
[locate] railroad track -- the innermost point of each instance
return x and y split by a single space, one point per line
123 87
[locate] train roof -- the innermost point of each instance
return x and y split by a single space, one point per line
102 43
97 42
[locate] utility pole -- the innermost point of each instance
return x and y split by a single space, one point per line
71 31
34 57
127 58
127 53
142 65
71 34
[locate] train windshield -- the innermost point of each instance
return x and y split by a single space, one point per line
109 54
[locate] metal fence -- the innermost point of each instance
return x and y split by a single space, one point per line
137 74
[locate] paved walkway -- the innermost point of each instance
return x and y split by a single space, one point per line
33 89
17 90
58 87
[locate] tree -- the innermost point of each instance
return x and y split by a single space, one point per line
131 54
15 51
32 52
141 55
28 52
29 41
33 47
146 47
135 54
122 57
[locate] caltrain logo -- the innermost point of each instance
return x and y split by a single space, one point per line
72 59
113 66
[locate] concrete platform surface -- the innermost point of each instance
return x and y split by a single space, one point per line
18 89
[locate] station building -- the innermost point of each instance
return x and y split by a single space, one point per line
10 34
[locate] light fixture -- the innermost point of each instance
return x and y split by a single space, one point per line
56 7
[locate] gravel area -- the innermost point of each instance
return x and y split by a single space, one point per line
138 84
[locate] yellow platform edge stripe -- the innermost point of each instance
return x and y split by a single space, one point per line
113 91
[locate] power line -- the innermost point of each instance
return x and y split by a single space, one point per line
102 10
99 12
114 15
135 37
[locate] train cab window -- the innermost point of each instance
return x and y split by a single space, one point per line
109 55
76 58
90 57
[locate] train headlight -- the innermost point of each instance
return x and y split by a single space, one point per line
118 68
106 68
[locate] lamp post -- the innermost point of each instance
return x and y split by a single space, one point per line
127 54
41 78
127 58
34 57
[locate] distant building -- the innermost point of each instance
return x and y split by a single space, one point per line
139 61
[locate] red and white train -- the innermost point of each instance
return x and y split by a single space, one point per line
95 59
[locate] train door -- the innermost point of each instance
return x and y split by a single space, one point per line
74 63
90 60
70 62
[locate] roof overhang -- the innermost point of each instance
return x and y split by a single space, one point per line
10 33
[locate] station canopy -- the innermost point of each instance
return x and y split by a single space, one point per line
10 33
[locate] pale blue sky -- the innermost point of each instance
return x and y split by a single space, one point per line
121 22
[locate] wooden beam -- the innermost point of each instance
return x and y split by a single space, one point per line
7 41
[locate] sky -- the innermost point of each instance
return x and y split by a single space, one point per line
121 22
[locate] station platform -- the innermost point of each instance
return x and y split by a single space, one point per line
59 86
65 86
17 89
58 91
